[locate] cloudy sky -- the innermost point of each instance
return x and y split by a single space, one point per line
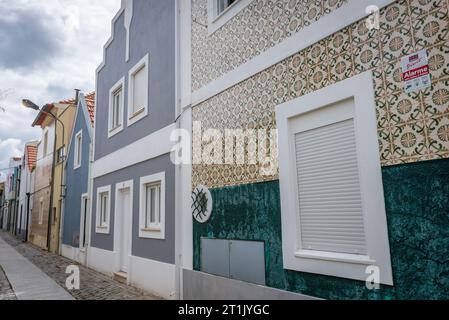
47 49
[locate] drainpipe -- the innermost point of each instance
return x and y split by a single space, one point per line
52 188
28 195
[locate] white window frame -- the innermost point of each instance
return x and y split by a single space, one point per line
351 266
99 228
78 152
111 130
152 233
216 21
140 114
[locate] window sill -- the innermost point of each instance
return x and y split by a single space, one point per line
102 230
114 131
137 116
137 113
155 234
216 21
151 230
336 257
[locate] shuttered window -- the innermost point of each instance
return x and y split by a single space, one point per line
140 90
330 202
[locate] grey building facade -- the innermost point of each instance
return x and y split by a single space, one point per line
133 180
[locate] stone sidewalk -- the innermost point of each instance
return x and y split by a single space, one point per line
94 285
26 280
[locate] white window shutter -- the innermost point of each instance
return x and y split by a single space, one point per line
330 202
140 89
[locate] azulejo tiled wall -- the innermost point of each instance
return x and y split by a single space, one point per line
412 127
260 26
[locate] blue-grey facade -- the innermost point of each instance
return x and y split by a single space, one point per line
77 177
144 28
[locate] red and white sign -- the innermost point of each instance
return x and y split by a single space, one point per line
415 71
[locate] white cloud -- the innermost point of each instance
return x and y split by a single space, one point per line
55 50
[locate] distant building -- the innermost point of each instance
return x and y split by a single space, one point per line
12 189
26 190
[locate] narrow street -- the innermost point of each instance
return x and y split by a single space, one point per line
29 273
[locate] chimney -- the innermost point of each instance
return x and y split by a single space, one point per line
77 96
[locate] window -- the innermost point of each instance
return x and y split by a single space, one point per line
333 211
222 5
152 207
60 156
221 11
41 211
116 106
45 146
138 91
103 209
78 150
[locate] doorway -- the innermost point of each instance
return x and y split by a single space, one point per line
123 227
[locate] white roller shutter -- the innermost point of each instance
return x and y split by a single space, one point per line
330 202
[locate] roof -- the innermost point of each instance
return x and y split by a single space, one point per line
48 108
31 155
90 102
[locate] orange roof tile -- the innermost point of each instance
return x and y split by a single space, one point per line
90 102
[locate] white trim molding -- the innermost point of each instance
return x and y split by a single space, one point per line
135 153
328 106
128 19
216 21
78 150
119 187
326 26
137 115
119 85
100 228
156 231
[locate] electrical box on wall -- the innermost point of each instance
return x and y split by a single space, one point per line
234 259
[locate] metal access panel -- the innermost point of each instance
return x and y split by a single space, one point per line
239 260
247 261
215 257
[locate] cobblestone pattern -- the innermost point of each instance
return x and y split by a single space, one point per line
94 285
6 292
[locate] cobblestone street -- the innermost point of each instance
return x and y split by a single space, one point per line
94 285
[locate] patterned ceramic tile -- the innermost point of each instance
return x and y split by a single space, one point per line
436 100
432 28
439 61
411 127
394 15
419 8
397 43
258 27
409 142
405 108
438 136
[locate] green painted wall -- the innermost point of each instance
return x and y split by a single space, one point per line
417 202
